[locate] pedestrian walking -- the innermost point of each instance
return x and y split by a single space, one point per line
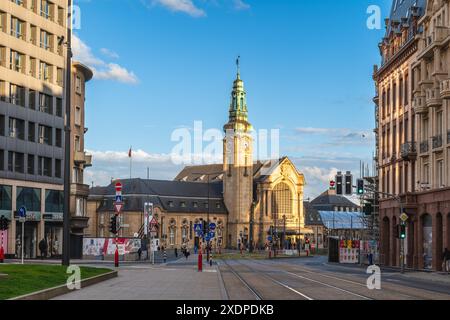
43 248
176 253
139 254
446 260
165 256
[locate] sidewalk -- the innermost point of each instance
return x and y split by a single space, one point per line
176 280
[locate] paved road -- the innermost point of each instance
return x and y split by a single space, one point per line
283 279
313 279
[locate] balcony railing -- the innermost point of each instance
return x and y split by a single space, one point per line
433 97
437 141
424 147
445 89
419 105
408 151
83 158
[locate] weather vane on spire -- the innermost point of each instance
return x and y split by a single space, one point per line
238 61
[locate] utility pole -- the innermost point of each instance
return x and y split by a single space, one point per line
252 213
68 144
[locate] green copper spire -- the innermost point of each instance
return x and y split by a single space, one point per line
238 113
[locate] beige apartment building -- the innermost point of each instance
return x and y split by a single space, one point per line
79 159
413 138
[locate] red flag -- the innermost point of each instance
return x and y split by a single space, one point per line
129 153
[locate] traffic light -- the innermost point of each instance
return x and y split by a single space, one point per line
402 231
339 181
113 225
360 187
348 183
368 209
3 223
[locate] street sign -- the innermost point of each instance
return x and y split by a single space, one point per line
269 238
211 235
119 198
22 214
207 238
212 226
118 187
198 228
153 223
404 217
118 207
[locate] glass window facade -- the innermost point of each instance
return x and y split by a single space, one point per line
282 201
54 201
5 197
30 198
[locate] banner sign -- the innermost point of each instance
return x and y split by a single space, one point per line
349 251
106 246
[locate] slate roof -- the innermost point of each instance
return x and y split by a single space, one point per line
200 173
312 216
402 13
171 196
326 200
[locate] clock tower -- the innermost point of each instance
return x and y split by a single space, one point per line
238 166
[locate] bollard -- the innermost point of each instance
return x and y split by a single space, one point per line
2 255
200 261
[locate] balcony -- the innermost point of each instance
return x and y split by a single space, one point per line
424 147
79 189
433 97
82 158
439 37
437 141
445 89
419 105
408 151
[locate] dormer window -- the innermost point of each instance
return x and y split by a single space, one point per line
170 203
183 204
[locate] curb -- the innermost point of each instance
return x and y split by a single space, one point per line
50 293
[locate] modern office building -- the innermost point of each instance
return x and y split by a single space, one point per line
32 68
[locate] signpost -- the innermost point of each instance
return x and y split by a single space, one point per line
153 233
22 219
404 218
118 205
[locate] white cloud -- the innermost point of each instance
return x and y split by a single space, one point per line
102 70
113 71
109 53
241 5
184 6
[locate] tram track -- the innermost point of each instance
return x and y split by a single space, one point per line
398 290
257 293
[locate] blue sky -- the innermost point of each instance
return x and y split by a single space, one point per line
163 64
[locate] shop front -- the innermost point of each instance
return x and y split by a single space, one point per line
30 239
53 235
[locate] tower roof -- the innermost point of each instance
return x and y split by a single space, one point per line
238 112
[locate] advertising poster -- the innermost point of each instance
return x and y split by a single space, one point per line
349 251
104 246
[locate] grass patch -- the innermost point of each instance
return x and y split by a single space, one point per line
27 278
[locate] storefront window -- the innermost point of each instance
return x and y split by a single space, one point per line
53 237
29 198
54 201
5 198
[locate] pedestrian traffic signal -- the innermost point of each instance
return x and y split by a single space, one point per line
360 187
113 225
3 223
402 231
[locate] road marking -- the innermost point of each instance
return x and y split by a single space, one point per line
328 285
287 287
276 281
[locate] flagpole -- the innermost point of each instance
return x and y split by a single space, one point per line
131 158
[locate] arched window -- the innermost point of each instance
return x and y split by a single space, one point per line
282 201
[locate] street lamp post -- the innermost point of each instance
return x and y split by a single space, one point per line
67 138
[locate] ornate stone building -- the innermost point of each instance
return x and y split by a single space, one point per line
247 199
413 138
